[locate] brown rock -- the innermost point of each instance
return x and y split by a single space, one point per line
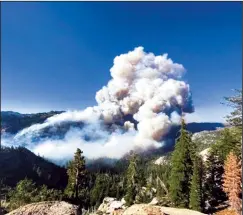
143 209
47 208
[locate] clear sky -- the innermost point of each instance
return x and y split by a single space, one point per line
56 55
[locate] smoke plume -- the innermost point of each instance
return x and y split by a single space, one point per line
145 88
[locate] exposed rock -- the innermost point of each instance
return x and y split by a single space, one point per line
205 139
111 206
179 211
161 160
123 201
145 209
47 208
204 154
154 201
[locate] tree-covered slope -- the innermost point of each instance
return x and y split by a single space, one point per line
18 163
13 122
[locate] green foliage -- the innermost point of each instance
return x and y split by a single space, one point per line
46 194
188 184
160 177
235 117
77 188
98 192
27 192
181 169
135 179
213 183
196 185
105 185
160 191
18 163
228 141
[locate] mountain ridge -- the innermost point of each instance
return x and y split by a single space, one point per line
13 122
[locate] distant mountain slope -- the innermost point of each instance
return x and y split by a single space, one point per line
13 122
205 139
18 163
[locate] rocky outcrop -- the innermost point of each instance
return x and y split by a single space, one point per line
179 211
206 139
145 209
111 206
47 208
161 160
154 201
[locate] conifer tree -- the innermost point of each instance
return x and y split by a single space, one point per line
235 117
226 143
77 179
215 161
213 182
134 179
196 185
181 169
159 190
232 181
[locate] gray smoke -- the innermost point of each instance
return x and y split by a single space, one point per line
147 87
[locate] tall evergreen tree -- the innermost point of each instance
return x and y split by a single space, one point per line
213 182
214 165
181 169
134 179
196 185
235 117
226 143
232 181
77 179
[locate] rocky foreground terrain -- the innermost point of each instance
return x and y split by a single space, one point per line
110 206
47 208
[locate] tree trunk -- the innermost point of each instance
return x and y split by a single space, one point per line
76 184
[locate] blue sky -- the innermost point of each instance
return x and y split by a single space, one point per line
56 55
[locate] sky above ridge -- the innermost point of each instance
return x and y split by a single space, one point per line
56 55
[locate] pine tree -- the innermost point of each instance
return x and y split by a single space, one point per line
213 182
215 161
196 185
77 179
235 117
134 178
159 190
232 181
181 169
226 143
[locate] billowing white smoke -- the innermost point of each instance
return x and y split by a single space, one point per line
143 85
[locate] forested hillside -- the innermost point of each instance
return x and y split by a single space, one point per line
18 163
182 178
13 122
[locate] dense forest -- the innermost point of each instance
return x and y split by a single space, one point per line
185 179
